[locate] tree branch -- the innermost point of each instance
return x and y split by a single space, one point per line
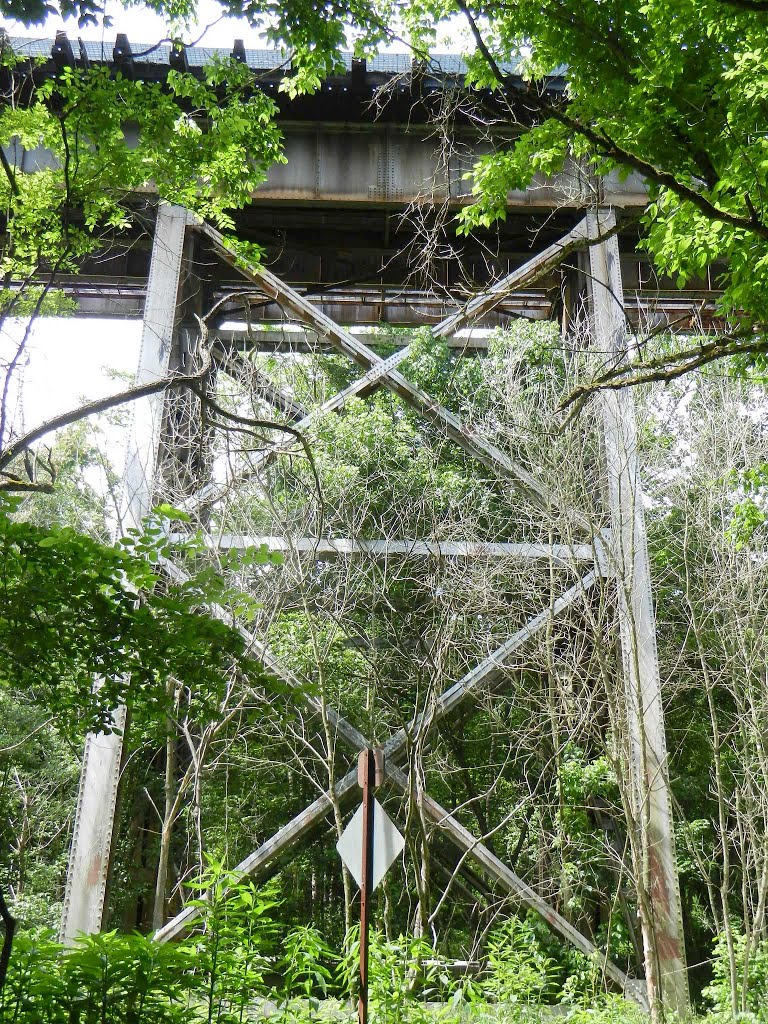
269 424
606 146
65 419
665 368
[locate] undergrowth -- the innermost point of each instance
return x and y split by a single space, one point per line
240 966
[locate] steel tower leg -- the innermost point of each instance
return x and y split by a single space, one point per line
663 932
97 797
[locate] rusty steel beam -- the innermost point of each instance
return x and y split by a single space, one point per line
627 550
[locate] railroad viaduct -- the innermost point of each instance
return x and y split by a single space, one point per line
357 230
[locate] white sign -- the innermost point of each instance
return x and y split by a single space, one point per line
387 844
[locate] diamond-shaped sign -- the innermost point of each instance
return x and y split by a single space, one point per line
387 844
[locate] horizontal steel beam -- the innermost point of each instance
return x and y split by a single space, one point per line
296 339
687 310
396 165
388 165
331 547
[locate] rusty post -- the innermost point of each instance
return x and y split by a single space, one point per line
370 773
661 909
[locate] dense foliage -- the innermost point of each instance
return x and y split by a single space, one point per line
75 610
673 92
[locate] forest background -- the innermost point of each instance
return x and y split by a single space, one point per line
218 754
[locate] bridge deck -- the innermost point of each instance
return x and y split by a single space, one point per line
367 193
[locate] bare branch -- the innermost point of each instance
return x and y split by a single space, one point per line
665 368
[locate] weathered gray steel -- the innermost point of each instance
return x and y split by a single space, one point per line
94 815
465 436
331 547
633 582
533 268
628 554
395 164
484 675
379 368
291 338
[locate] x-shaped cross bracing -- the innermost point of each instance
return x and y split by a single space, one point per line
653 835
384 372
487 674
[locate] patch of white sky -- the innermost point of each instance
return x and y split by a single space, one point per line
67 361
141 25
212 27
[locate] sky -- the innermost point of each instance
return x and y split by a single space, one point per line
141 25
70 359
210 29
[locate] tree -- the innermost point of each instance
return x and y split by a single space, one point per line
75 609
674 91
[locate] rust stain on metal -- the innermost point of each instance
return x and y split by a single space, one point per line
93 878
667 944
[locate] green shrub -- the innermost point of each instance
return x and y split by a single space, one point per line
221 974
751 980
519 971
104 979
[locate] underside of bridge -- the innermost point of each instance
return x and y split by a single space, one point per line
403 266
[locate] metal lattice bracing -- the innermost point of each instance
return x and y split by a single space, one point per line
620 555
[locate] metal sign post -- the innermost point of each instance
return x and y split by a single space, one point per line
365 777
370 773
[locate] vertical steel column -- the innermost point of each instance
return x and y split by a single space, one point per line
663 933
97 796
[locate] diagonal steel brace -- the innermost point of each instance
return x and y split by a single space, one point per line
384 371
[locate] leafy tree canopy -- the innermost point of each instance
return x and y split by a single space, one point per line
673 90
74 609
